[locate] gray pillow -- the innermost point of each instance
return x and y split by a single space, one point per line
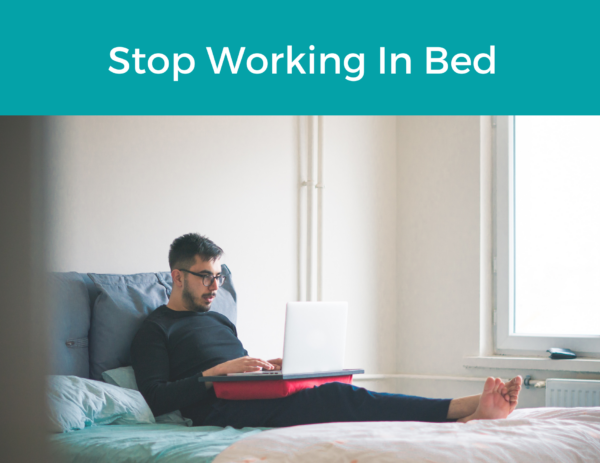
125 377
124 301
69 324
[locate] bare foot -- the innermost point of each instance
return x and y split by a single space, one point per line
498 400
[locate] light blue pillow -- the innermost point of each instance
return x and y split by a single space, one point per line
122 377
125 377
75 403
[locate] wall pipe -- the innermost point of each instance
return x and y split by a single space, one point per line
302 205
320 186
309 209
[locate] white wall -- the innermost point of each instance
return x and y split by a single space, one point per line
360 235
438 243
125 187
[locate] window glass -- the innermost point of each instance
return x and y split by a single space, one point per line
557 225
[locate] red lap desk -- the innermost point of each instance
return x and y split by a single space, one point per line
273 386
249 390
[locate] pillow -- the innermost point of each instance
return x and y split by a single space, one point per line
69 324
125 377
122 377
123 303
75 403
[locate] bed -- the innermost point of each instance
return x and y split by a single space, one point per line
96 317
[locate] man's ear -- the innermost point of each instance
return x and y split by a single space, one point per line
177 276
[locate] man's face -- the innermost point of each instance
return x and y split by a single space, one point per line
197 297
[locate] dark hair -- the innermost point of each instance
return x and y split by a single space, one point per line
184 250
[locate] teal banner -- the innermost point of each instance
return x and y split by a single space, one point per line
307 57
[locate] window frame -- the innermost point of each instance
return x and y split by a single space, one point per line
506 340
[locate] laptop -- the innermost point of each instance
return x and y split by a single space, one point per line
314 341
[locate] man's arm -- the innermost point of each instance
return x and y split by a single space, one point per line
150 361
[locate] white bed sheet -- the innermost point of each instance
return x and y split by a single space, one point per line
527 436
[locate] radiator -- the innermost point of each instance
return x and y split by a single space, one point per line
572 393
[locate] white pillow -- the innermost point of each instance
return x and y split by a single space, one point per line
75 403
125 377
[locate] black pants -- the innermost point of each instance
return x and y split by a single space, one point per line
331 402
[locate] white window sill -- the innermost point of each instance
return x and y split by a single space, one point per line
579 365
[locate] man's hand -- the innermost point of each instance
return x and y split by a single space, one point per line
240 365
276 363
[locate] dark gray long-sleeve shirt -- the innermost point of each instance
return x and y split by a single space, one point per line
172 349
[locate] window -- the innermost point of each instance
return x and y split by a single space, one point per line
547 233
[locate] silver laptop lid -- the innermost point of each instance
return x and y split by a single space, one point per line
315 337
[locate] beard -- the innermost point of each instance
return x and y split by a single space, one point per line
191 303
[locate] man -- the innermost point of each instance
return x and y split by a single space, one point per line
183 340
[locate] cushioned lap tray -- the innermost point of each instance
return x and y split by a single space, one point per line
256 390
253 387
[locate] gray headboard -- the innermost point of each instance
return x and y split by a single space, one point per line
95 316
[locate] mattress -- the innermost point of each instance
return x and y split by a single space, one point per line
164 443
529 435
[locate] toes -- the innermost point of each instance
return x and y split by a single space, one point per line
514 389
498 385
489 385
515 382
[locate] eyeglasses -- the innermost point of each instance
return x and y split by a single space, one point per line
207 280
